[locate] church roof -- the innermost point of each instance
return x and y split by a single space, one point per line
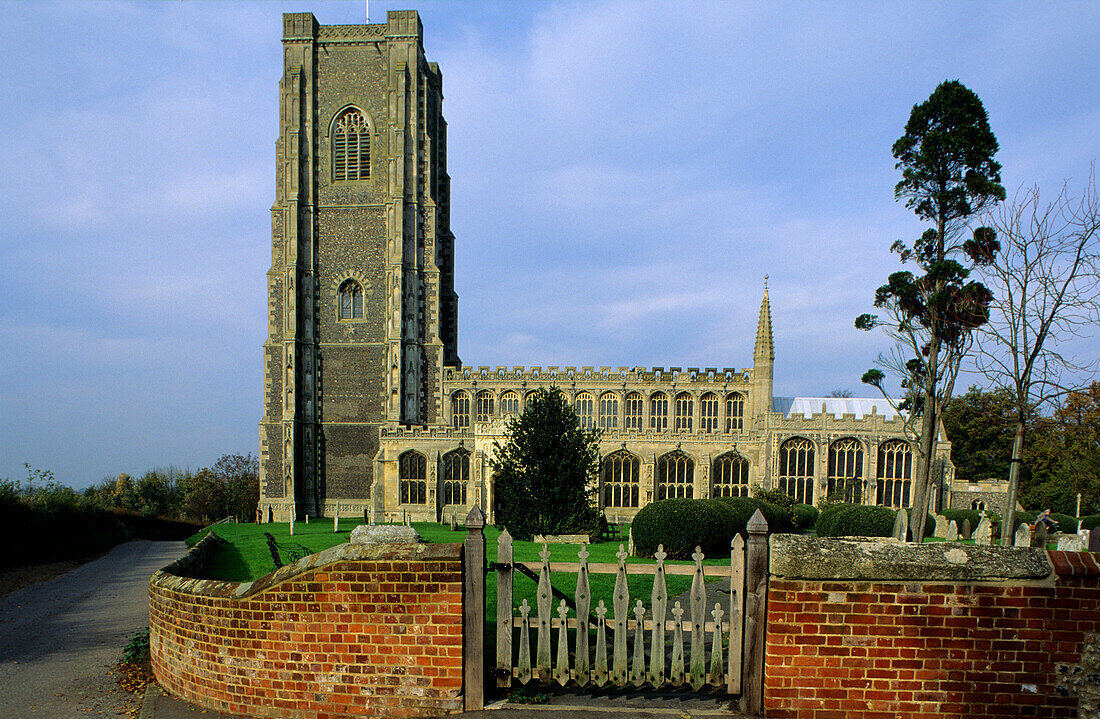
836 406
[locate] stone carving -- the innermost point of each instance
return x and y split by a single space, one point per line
1072 543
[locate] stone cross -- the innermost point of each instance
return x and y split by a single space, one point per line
984 533
1023 536
901 525
952 533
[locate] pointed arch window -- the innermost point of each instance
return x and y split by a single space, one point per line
350 146
796 469
729 476
460 409
675 476
484 406
685 405
509 403
632 415
895 473
735 412
609 411
411 466
455 476
585 406
619 474
708 412
658 412
350 300
845 477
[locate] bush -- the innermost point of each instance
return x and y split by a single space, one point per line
929 524
805 516
1066 523
1092 520
961 515
855 520
682 524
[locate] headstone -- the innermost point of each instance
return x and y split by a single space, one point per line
967 531
630 542
1071 543
454 521
984 533
1023 536
408 520
366 517
292 525
1094 539
901 525
952 533
941 527
1040 536
307 519
336 519
383 534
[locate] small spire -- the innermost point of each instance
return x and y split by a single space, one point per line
765 348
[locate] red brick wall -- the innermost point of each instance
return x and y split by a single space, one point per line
352 631
863 650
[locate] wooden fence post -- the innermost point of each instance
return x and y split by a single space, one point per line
473 612
504 610
756 621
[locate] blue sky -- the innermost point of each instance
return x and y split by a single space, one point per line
623 176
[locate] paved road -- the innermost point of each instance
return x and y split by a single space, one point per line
59 639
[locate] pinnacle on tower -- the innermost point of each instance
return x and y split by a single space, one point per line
765 348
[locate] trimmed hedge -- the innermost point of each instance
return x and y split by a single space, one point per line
682 524
1090 521
959 516
855 520
805 516
1065 522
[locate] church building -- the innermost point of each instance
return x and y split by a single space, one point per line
367 406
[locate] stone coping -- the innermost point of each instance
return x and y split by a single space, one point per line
170 577
823 558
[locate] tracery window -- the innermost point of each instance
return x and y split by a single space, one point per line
708 411
619 474
658 412
350 146
729 476
585 406
484 406
735 411
350 300
632 414
609 411
411 473
509 403
528 400
460 409
845 476
796 469
684 407
455 476
675 476
895 473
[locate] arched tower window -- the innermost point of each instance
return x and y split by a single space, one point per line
585 406
411 467
609 411
484 406
632 415
509 403
675 476
685 405
658 411
796 469
350 300
460 409
619 475
845 477
455 476
729 476
708 412
735 412
350 146
895 473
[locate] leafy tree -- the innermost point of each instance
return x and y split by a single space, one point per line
546 471
1075 445
241 475
948 175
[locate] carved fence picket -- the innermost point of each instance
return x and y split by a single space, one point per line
658 601
620 602
542 657
698 666
583 599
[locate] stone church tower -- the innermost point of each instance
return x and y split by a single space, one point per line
362 313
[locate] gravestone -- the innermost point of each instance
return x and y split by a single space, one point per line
1023 536
952 533
1040 536
941 527
454 521
984 533
1094 539
967 531
901 525
1071 543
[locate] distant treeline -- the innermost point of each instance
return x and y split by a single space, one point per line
42 520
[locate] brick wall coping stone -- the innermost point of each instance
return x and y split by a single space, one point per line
413 551
796 556
1075 564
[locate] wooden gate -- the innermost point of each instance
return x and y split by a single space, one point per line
616 643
